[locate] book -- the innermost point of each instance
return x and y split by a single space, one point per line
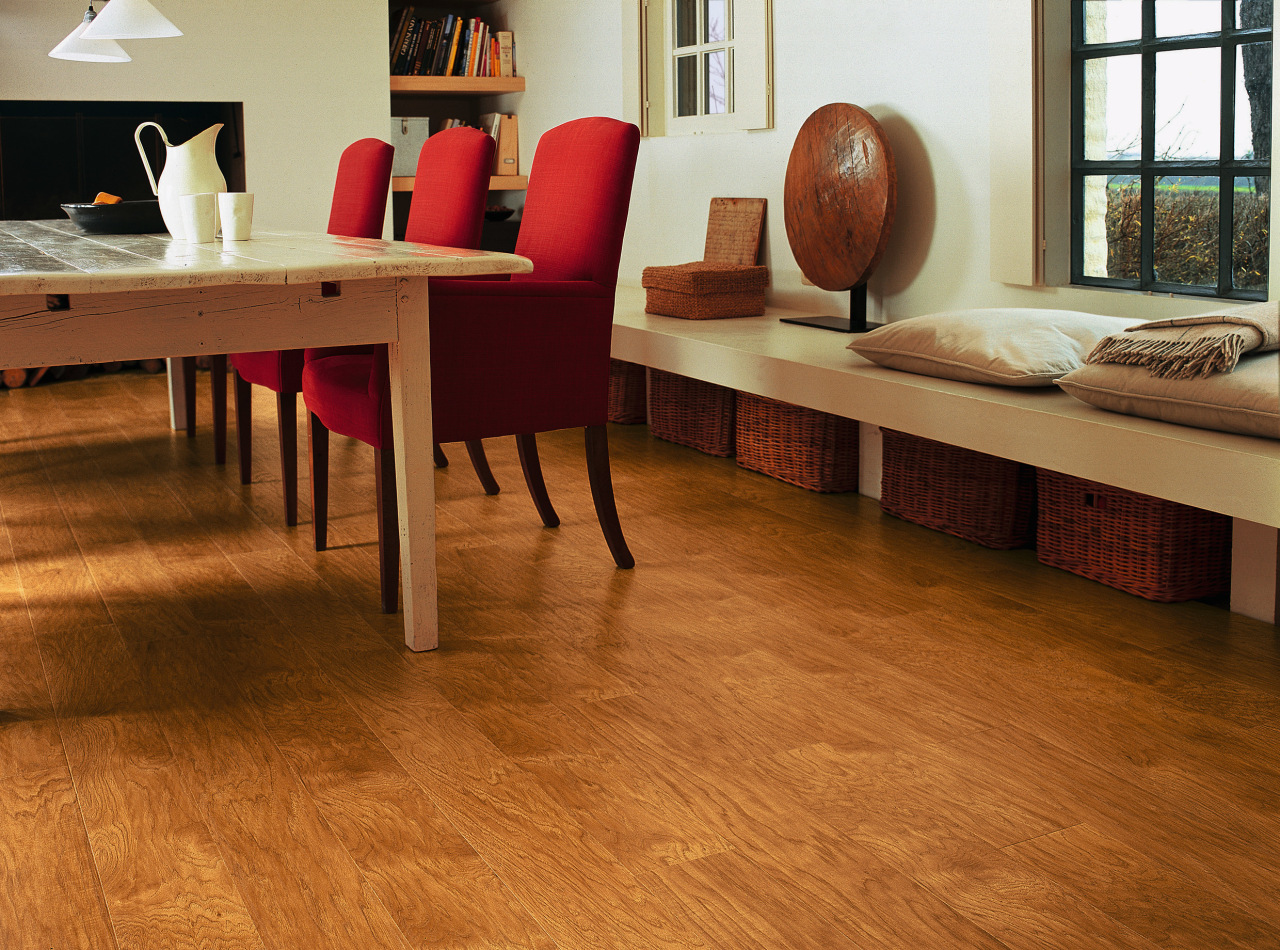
426 49
399 28
443 44
406 43
506 49
453 49
413 42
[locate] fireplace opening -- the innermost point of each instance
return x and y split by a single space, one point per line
53 152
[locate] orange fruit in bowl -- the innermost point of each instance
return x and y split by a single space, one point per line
105 199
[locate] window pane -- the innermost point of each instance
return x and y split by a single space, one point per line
686 85
1111 21
716 13
716 82
1183 17
1113 108
1252 206
1253 101
1186 231
1112 222
1188 104
685 20
1252 14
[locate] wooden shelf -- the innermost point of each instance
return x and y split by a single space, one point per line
457 85
496 183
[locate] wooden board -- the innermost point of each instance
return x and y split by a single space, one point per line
734 226
839 197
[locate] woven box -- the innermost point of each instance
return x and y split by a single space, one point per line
627 393
1146 546
812 449
691 412
984 499
705 290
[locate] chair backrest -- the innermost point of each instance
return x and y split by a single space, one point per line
450 188
575 210
360 192
449 191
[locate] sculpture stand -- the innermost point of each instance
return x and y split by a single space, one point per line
856 322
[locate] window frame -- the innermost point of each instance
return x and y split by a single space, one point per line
1147 168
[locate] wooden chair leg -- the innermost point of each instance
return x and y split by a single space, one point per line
287 412
437 453
189 387
244 425
602 494
527 446
218 381
318 460
388 529
480 462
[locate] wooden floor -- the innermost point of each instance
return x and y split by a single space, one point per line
797 723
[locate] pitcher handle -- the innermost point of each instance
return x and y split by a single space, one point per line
146 163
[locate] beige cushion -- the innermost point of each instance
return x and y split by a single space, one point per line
1245 400
1010 346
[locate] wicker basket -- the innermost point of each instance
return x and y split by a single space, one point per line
627 393
705 290
691 412
1147 546
812 449
984 499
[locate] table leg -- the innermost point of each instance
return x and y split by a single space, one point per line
177 393
415 472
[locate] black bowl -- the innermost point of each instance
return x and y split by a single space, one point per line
125 217
498 214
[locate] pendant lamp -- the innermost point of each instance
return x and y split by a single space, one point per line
130 20
76 47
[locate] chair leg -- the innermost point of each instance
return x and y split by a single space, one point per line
437 453
318 460
602 495
189 385
480 462
218 381
287 411
388 529
244 425
527 446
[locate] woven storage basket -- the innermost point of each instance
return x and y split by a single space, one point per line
812 449
626 393
981 498
705 290
1147 546
691 412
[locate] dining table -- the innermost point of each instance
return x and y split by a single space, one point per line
70 297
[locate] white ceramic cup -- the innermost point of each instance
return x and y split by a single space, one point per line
199 224
236 209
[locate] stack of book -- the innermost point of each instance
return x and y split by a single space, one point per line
449 46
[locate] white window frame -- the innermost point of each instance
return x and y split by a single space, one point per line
649 82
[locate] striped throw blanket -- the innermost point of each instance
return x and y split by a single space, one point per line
1202 345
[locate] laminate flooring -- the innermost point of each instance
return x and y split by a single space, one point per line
798 723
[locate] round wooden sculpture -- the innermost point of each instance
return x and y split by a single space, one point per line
839 196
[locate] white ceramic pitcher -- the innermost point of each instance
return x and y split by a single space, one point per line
189 169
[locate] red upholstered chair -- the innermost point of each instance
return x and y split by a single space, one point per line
526 354
350 393
358 210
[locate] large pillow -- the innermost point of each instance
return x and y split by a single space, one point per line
1246 400
1010 346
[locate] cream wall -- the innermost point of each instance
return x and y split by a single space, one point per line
921 67
312 77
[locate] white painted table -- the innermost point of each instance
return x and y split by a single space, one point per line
67 297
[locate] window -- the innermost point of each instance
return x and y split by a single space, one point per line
704 66
1171 145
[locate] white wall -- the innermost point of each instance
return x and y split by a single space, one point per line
921 68
312 77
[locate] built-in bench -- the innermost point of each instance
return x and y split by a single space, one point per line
1235 475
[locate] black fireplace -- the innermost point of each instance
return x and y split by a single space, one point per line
53 152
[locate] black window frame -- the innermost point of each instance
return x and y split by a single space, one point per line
1147 168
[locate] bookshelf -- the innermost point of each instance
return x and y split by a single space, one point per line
404 183
456 85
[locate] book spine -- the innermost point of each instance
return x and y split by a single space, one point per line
442 46
505 63
426 48
397 35
402 57
415 44
453 50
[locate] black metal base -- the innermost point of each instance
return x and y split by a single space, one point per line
856 322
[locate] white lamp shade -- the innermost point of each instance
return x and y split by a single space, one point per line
130 20
76 47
